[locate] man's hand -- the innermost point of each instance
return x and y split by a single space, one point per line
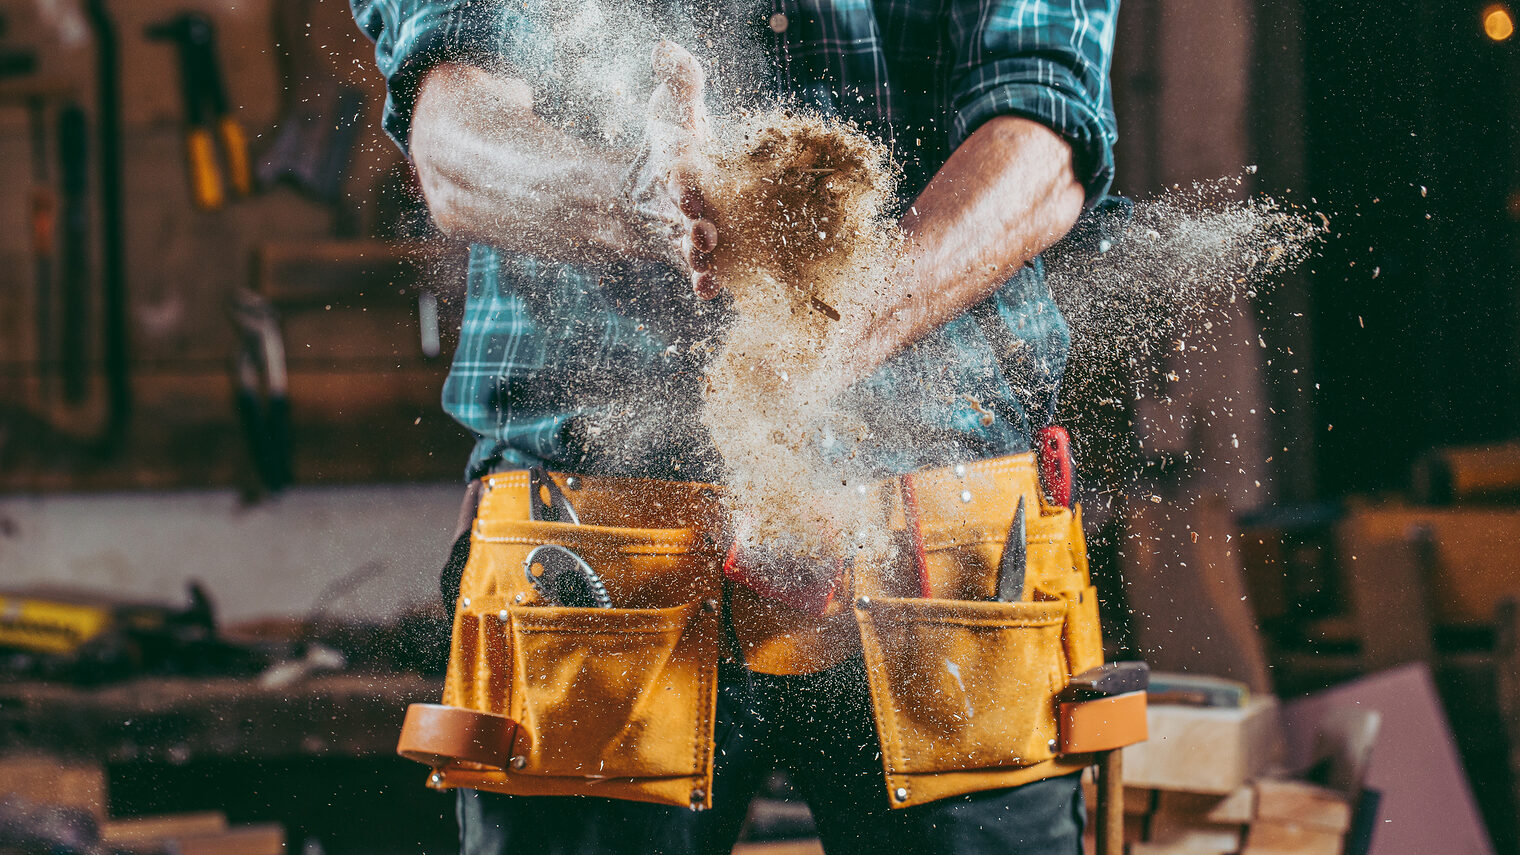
1004 196
493 171
665 191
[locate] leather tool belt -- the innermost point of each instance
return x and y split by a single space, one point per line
542 699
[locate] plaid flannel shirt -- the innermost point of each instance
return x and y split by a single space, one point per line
599 370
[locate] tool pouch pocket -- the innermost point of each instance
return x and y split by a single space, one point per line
613 693
960 685
616 701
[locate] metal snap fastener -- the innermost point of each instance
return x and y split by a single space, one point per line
778 22
1052 744
572 482
965 495
901 794
519 762
435 778
862 602
502 615
465 602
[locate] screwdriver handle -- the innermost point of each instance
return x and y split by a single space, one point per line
235 147
1056 465
205 177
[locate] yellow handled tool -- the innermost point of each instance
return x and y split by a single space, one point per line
210 126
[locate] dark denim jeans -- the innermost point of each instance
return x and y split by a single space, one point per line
819 728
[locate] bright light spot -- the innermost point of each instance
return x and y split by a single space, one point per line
1498 24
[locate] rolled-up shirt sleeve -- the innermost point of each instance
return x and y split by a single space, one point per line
1045 60
411 36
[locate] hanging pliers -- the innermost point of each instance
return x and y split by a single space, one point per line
208 119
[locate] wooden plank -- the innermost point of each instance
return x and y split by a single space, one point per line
1183 831
1235 807
1286 838
263 839
1303 803
780 847
1203 750
137 831
46 779
1473 553
1386 580
1447 474
1148 848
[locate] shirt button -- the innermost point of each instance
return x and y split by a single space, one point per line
778 22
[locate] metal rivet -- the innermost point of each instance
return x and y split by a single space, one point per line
966 495
435 778
519 762
1052 744
502 615
465 602
778 23
901 794
960 470
862 602
572 482
520 599
709 606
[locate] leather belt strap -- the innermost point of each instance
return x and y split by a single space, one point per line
437 735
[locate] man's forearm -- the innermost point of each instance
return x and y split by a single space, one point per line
1006 194
493 171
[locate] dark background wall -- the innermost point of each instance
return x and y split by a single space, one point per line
1410 143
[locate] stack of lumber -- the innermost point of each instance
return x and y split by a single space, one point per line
1267 816
1208 782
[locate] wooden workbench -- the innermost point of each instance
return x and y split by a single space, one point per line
177 720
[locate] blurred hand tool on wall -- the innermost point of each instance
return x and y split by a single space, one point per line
263 398
314 139
207 116
43 213
74 250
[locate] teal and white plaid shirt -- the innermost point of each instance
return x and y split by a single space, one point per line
598 370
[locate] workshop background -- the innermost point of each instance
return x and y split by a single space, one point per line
226 484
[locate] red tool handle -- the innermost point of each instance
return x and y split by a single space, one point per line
1056 465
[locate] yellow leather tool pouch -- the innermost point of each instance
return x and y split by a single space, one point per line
621 702
963 686
618 702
